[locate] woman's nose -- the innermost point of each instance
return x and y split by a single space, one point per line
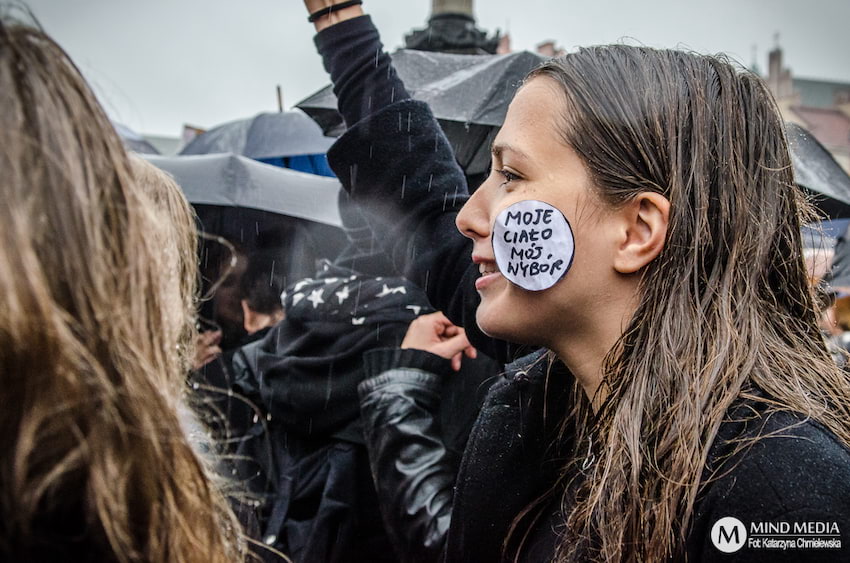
473 220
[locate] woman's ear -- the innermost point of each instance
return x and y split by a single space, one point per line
645 220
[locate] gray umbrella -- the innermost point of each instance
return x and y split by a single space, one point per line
133 141
288 217
266 135
231 180
469 94
818 173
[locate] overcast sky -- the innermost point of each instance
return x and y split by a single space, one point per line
157 64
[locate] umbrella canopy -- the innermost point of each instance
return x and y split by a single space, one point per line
264 136
287 220
818 173
469 95
133 141
235 181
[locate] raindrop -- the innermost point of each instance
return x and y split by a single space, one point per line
271 274
357 298
403 185
352 173
430 181
328 388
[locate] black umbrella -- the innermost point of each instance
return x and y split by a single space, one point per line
469 95
266 135
817 172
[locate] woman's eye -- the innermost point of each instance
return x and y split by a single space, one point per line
508 176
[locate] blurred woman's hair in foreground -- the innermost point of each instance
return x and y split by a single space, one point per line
97 285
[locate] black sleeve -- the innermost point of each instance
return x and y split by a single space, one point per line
399 169
363 77
413 471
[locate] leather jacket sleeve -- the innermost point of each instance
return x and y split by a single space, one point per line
414 473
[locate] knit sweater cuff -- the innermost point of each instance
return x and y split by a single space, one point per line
381 360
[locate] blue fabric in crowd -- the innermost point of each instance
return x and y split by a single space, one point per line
309 163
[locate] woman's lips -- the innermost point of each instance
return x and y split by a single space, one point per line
489 274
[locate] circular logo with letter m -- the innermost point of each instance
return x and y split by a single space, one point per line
728 534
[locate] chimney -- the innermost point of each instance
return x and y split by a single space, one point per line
504 45
779 78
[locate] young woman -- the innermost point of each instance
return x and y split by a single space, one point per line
686 408
96 297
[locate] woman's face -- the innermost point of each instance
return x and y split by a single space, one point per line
532 162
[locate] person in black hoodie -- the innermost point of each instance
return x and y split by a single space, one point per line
687 408
304 455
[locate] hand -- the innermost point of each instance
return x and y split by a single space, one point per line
335 17
206 348
436 334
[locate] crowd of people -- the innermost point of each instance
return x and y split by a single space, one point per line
419 398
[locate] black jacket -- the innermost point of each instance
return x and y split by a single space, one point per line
304 453
795 474
440 505
304 456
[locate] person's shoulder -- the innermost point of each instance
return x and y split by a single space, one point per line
777 463
774 478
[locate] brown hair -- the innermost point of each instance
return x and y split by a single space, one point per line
724 308
176 236
95 462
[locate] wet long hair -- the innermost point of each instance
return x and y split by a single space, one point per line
96 292
724 310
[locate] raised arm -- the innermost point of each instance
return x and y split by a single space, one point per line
400 170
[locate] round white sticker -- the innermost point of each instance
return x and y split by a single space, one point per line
533 244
